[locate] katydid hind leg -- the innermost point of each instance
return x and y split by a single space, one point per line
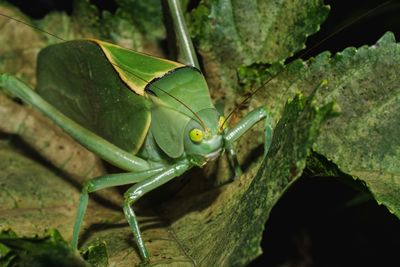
138 190
98 145
103 182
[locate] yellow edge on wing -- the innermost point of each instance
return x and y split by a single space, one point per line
139 85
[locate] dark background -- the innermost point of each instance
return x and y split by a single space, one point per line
319 222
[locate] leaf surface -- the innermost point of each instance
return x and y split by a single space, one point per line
362 141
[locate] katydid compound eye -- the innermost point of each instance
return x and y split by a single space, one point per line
221 124
196 135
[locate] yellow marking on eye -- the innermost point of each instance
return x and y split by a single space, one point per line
196 135
221 124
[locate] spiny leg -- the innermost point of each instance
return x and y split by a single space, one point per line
138 190
102 182
243 126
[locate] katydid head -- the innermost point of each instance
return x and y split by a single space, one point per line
203 145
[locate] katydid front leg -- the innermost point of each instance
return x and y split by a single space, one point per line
243 126
186 49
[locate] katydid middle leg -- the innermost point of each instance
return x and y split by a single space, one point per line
139 189
102 182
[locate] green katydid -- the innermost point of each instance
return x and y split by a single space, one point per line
161 150
151 117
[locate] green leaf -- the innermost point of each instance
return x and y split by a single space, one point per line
364 141
233 33
96 255
47 251
146 15
244 32
365 85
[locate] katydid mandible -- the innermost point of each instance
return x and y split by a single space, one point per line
151 117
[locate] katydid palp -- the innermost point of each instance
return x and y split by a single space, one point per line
151 117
